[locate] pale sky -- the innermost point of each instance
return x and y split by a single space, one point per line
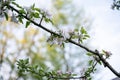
107 35
106 28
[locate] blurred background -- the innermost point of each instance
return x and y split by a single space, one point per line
18 42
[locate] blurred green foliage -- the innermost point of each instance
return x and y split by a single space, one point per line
17 42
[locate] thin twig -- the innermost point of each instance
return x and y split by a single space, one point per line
67 77
41 20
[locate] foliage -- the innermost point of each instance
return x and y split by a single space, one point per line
116 4
41 72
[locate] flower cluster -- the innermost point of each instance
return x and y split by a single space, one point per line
28 10
32 12
46 13
59 40
64 36
59 72
54 39
46 16
107 53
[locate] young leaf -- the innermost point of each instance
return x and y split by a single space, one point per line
27 24
14 3
22 11
87 36
37 9
83 31
100 62
48 20
90 62
33 6
26 61
36 15
89 54
20 19
6 15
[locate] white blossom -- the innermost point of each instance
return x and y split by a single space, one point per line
28 11
69 72
59 72
46 13
13 18
107 53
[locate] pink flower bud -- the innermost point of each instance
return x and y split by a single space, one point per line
59 72
107 53
68 72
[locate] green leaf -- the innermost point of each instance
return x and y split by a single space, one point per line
12 0
36 66
87 36
74 75
6 15
103 51
81 41
36 15
22 11
33 6
20 19
48 20
89 54
26 61
27 23
14 3
83 31
37 9
84 38
90 62
100 62
76 30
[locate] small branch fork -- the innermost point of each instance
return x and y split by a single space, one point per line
41 20
55 77
69 40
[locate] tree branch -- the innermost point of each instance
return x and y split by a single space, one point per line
69 40
67 77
